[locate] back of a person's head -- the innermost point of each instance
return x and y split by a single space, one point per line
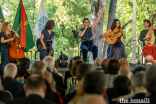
10 70
25 62
138 69
75 66
124 63
49 62
35 82
92 99
125 72
150 79
104 64
137 79
51 81
38 68
98 61
148 59
21 70
94 82
82 70
122 85
113 66
72 60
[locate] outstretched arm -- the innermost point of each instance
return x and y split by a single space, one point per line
100 13
107 33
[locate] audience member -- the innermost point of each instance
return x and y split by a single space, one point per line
125 72
10 72
92 99
121 87
25 64
56 67
104 65
149 60
5 95
80 73
50 63
21 72
112 69
98 62
68 73
149 80
35 90
138 69
72 81
51 93
93 83
124 63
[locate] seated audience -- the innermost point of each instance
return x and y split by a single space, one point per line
93 83
35 90
149 60
81 71
121 87
56 67
125 72
138 69
50 63
10 72
112 69
72 81
98 62
5 95
25 64
68 73
21 72
52 94
124 63
40 68
104 65
150 79
92 99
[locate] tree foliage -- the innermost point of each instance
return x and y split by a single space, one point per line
69 13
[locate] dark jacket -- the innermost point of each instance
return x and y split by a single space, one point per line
11 85
31 99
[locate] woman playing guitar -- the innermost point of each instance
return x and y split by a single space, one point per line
5 31
115 50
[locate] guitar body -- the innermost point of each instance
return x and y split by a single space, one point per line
150 34
112 40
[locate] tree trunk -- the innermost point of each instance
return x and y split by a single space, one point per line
98 31
112 12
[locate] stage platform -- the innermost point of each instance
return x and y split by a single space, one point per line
63 70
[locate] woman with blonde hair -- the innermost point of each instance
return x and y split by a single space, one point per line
124 63
51 93
5 31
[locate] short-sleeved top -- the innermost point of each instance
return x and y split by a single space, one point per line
2 34
143 35
87 35
47 36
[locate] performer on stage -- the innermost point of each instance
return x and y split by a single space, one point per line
5 31
143 33
46 34
86 37
116 50
148 49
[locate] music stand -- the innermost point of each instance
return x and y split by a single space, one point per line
49 45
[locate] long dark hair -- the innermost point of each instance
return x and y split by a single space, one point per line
114 24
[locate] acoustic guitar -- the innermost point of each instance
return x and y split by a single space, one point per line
150 33
112 40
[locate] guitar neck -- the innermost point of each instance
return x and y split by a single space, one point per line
122 28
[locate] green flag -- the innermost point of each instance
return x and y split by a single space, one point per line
1 17
21 25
